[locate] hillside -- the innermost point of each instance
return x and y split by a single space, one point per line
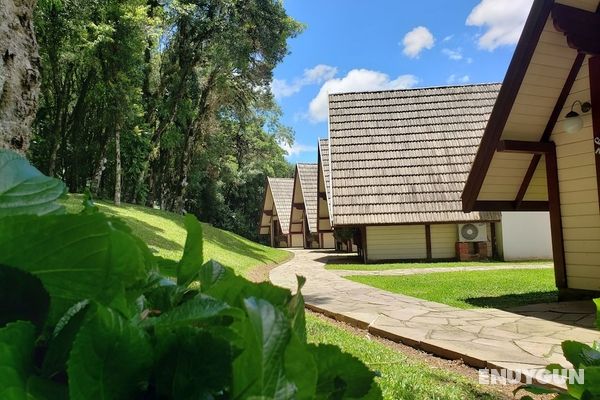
165 235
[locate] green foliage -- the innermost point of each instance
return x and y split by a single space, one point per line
24 190
117 329
185 84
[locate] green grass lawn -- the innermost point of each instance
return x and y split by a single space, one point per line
402 377
407 265
165 234
472 289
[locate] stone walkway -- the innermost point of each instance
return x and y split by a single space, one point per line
483 338
418 271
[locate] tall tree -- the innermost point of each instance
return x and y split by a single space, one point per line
19 73
164 103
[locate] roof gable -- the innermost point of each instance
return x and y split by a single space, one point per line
307 178
544 78
282 191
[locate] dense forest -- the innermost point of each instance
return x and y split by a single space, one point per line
164 102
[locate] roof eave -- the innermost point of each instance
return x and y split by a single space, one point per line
513 80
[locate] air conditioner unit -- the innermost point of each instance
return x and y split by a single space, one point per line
472 233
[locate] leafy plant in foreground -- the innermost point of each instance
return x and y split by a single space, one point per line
86 315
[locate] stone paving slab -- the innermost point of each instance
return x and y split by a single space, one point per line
528 338
420 271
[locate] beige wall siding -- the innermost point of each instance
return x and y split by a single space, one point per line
400 242
328 241
443 240
323 224
265 220
579 195
297 216
297 240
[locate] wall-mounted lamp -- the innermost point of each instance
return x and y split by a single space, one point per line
573 121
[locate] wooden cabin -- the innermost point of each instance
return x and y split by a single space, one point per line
303 215
324 227
275 216
541 146
399 160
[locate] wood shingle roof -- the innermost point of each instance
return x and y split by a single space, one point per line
403 156
283 191
308 174
324 152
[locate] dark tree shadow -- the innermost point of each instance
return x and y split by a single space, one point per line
507 301
543 305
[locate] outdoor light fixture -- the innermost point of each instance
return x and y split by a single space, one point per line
573 121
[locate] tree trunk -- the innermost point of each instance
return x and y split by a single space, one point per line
117 165
19 74
97 179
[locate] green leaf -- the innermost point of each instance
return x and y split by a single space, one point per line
341 375
296 311
198 310
166 266
301 368
223 284
193 364
44 389
580 354
23 298
76 257
590 388
260 369
554 367
25 190
16 357
63 337
110 358
192 260
210 274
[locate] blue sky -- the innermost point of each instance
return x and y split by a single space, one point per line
359 45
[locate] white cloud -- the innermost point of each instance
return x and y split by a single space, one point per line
502 19
448 38
298 149
314 76
357 80
454 79
416 41
453 54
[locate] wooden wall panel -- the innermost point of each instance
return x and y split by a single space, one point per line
443 240
400 242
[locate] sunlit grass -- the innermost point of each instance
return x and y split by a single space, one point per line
441 264
473 289
402 377
165 234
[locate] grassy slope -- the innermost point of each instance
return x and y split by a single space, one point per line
473 289
165 234
407 265
402 377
